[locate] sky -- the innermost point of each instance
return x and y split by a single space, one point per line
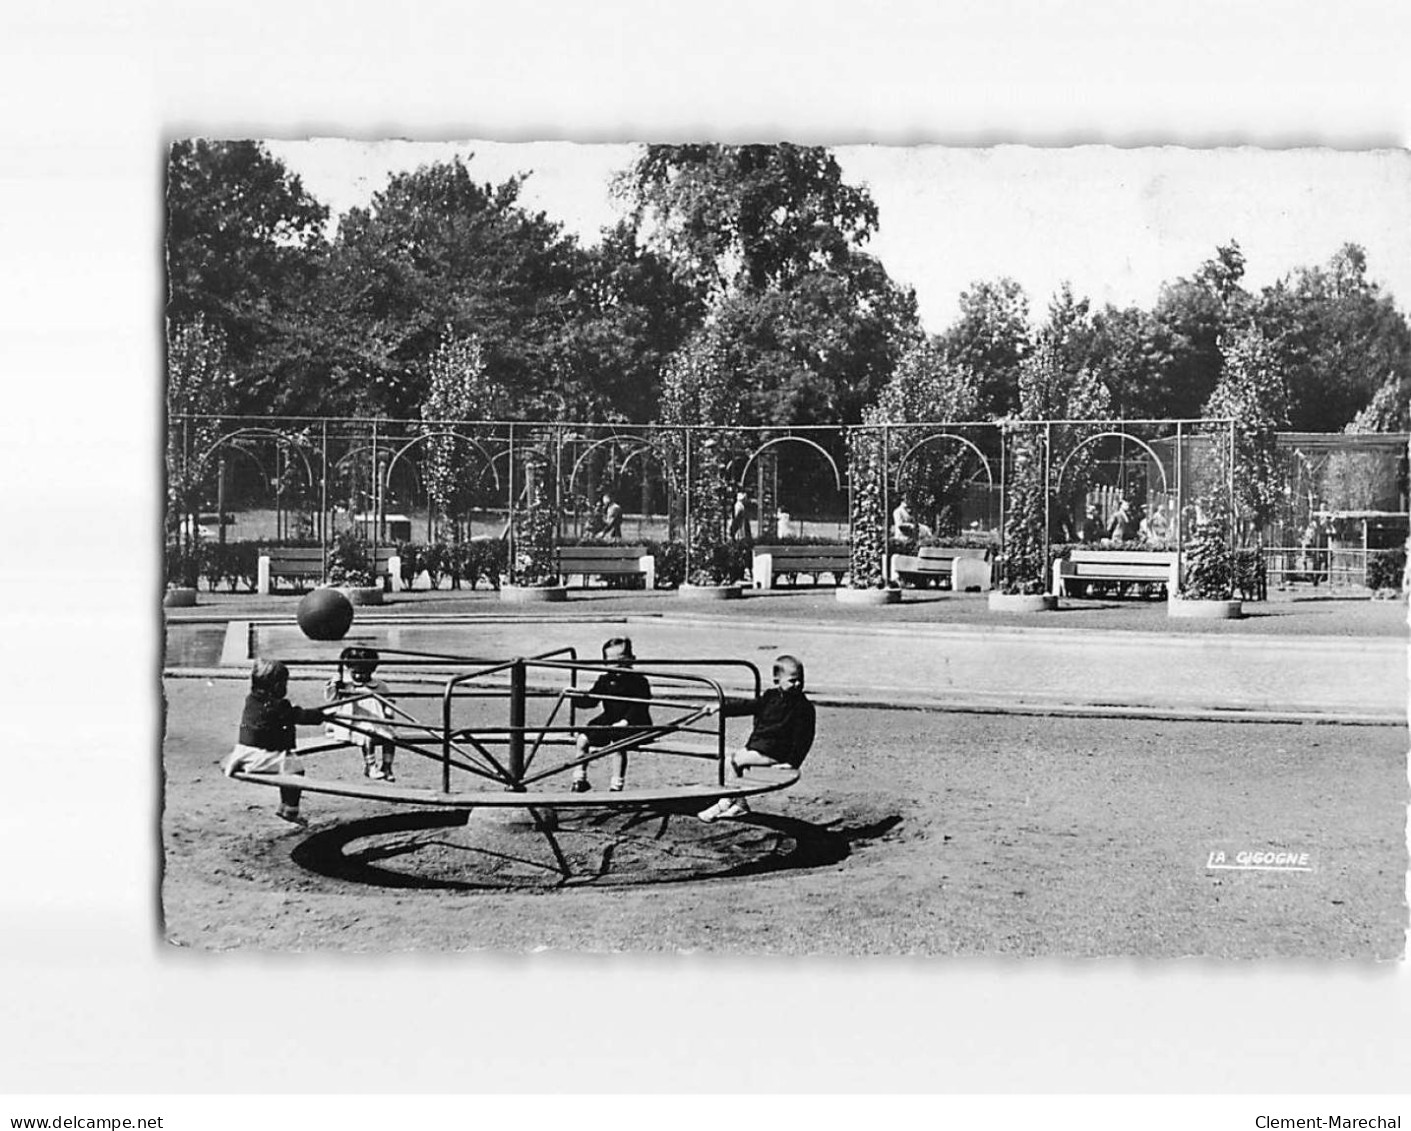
1116 223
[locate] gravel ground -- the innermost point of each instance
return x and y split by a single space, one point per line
912 832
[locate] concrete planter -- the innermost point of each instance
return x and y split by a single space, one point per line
1022 602
1204 610
362 594
848 596
710 592
533 594
179 597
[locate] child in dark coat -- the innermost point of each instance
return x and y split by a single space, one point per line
621 695
266 741
782 735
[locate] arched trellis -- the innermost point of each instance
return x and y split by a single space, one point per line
906 455
283 439
1124 436
449 434
638 444
749 461
236 441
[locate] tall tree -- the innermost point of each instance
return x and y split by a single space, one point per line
435 249
244 245
1191 315
1339 338
769 238
1252 392
991 339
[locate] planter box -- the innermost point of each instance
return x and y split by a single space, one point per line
710 592
180 597
533 594
1022 602
362 594
847 596
1204 610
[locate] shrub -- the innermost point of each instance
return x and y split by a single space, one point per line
232 564
349 562
1386 569
182 564
1209 572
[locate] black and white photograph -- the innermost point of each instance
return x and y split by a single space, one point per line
786 549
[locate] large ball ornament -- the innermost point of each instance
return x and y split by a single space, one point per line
325 614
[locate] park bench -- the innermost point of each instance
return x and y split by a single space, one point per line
604 561
303 566
1120 567
771 561
961 568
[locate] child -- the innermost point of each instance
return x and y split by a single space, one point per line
782 734
375 741
266 742
622 694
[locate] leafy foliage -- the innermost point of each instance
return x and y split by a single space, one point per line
991 339
457 389
1208 566
1386 569
867 469
349 559
769 239
697 391
199 383
1023 558
1251 392
534 526
244 247
926 386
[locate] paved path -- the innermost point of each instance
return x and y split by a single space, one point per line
1348 679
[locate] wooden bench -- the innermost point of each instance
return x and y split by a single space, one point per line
1142 567
770 561
303 565
961 567
602 561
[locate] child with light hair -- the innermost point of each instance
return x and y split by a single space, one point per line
782 735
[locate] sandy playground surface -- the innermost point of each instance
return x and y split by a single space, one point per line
912 832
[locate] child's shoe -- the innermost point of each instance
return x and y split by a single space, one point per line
713 813
730 809
292 815
376 773
580 785
387 772
615 786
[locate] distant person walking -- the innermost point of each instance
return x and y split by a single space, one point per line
740 520
610 523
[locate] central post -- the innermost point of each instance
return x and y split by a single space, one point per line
517 695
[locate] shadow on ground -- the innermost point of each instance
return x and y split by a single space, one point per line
453 851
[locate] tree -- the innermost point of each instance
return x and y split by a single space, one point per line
1339 338
437 249
991 339
244 247
1128 360
696 391
637 313
200 385
769 239
457 389
1190 317
926 387
1251 392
